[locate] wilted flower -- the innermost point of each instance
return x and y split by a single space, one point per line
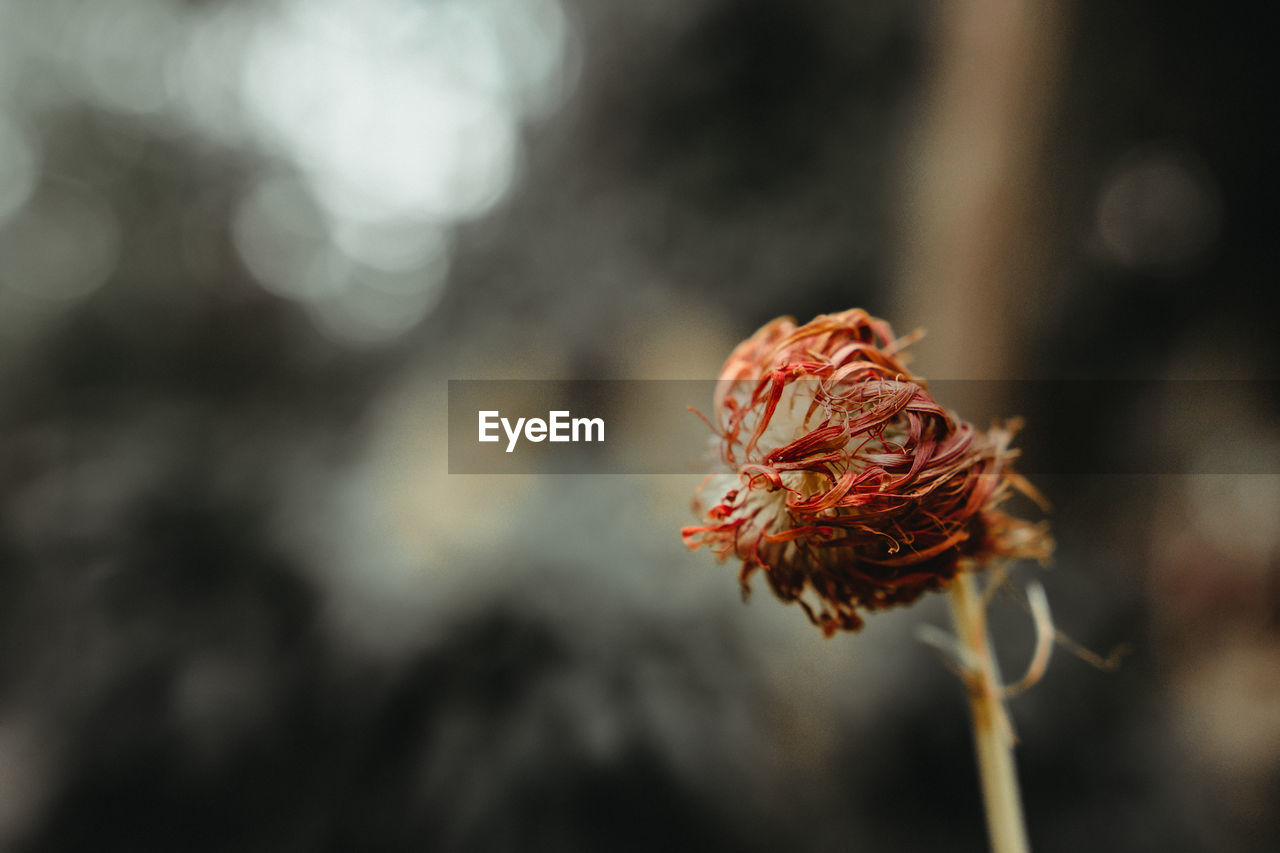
846 482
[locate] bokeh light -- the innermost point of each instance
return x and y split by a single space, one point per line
1158 210
18 167
61 245
381 126
403 117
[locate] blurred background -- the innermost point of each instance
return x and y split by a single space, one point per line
245 243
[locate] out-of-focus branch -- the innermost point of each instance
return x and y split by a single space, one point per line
970 237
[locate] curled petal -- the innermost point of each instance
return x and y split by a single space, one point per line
849 486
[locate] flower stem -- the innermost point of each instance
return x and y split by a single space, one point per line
993 735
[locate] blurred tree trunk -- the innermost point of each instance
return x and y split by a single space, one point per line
972 227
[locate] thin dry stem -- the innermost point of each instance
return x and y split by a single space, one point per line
993 734
954 656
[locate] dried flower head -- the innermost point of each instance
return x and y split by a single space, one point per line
845 481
